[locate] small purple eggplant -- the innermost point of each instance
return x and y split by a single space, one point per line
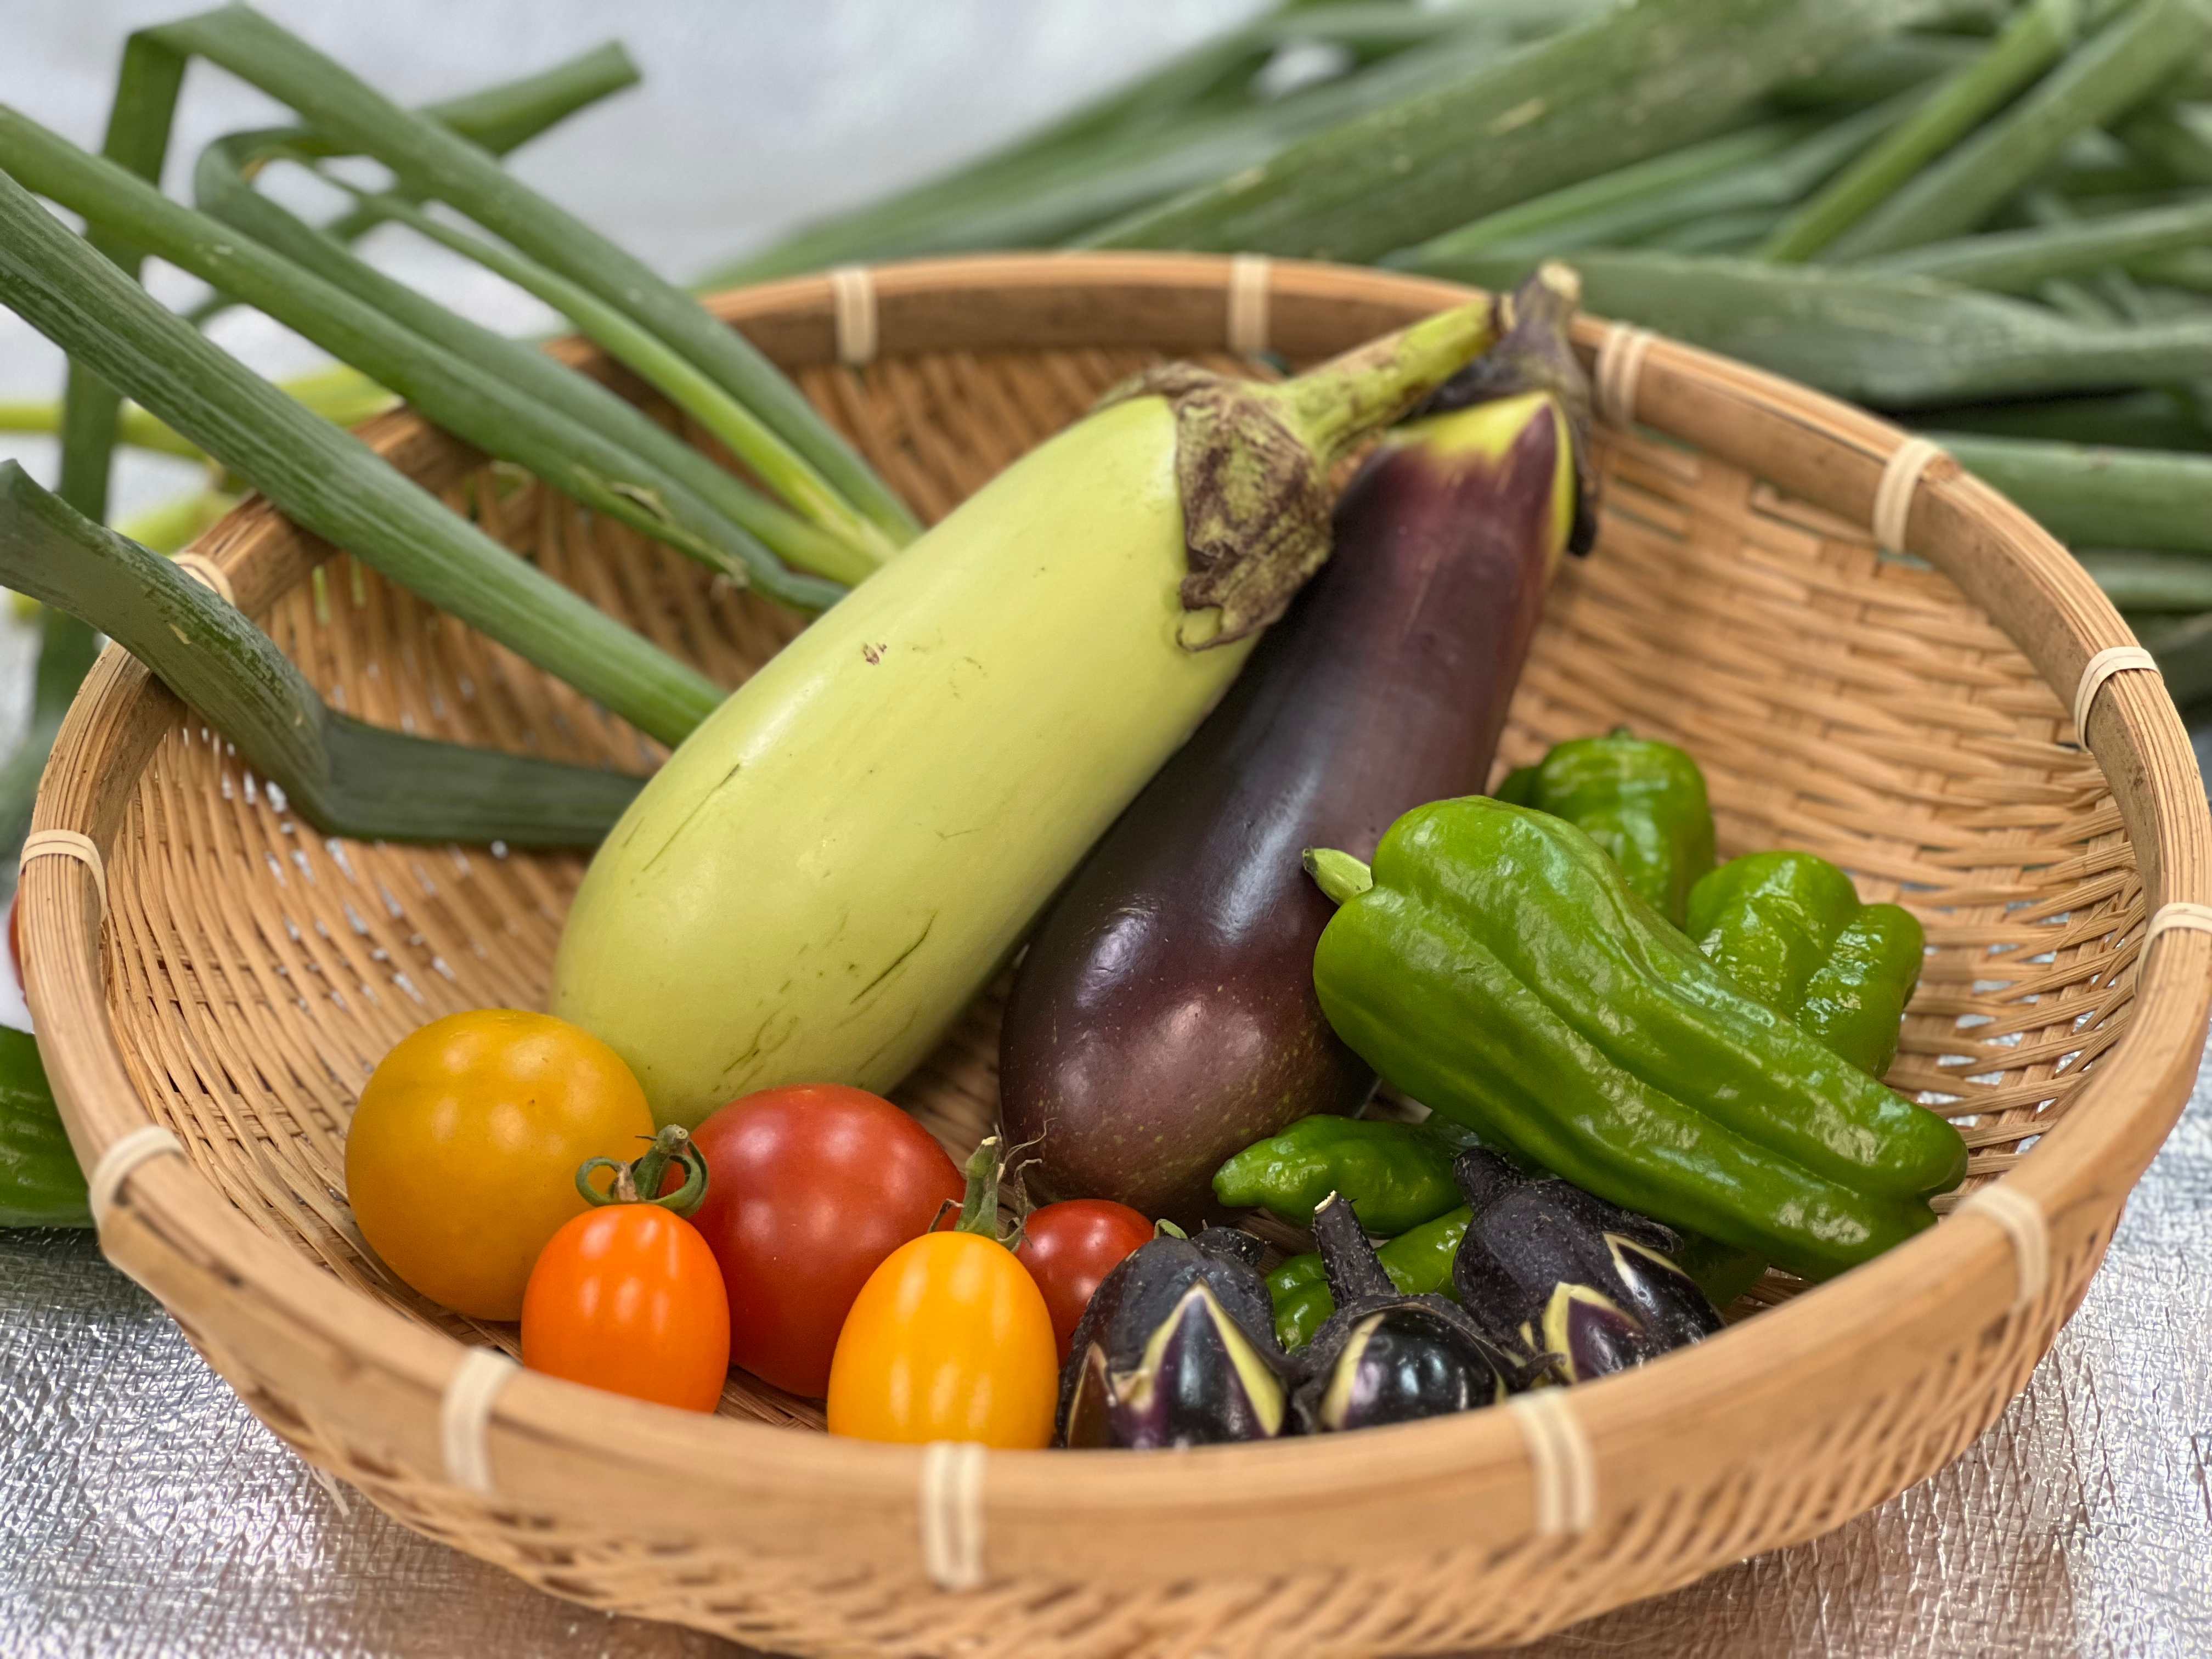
1549 1268
1388 1358
1178 1348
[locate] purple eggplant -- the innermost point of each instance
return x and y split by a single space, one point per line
1177 1348
1164 1017
1384 1357
1548 1266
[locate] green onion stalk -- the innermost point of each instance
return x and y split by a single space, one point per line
1898 342
326 480
483 409
2037 36
1632 83
342 776
2120 66
433 163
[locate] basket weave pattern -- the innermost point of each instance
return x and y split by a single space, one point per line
1840 699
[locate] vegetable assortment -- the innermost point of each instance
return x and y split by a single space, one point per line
897 791
1144 683
1164 1014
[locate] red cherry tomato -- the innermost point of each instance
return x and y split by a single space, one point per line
809 1189
1070 1247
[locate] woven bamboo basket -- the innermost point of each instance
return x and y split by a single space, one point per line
213 979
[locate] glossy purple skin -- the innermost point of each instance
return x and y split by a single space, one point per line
1164 1018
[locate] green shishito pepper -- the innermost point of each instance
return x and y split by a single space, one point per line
1642 801
1394 1175
1788 928
1495 964
41 1185
1420 1263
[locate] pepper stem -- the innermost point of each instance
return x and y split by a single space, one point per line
1339 875
641 1182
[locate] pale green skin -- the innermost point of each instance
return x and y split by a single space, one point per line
829 869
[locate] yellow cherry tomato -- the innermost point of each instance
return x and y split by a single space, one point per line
950 1340
462 1159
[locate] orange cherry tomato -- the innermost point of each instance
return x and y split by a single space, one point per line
627 1297
461 1162
949 1339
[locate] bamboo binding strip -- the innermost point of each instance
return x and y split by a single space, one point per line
1908 718
105 1184
69 844
2113 659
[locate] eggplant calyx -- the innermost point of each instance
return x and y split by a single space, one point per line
1536 354
1252 462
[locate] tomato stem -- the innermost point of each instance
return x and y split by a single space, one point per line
640 1182
979 1209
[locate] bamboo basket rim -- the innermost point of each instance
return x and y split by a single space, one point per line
172 1230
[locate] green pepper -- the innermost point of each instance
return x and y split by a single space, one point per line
1495 964
1788 928
1642 801
41 1185
1420 1263
1394 1175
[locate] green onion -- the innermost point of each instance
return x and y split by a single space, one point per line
438 165
1713 188
1634 83
325 479
138 139
2018 261
2098 497
675 473
2036 37
2171 140
1194 121
1878 69
1609 207
2184 660
1893 342
342 776
500 119
2104 79
2151 582
2134 420
340 394
484 408
686 386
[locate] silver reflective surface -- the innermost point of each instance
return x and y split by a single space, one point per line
143 1510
